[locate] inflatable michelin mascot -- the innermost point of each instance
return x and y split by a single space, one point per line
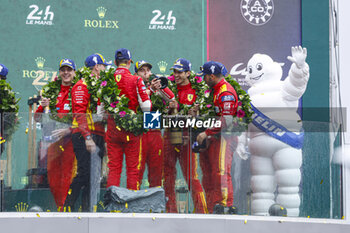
275 136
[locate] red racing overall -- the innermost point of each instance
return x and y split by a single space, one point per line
120 141
187 160
217 159
60 160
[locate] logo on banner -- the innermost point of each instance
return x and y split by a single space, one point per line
257 12
162 66
40 75
151 120
162 22
40 16
99 23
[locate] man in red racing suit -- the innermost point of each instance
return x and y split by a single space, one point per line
182 152
87 137
152 141
216 160
120 141
60 155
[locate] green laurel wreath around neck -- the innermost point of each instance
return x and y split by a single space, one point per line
107 91
8 109
51 90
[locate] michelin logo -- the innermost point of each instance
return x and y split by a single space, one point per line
151 120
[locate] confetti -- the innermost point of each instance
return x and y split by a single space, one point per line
118 128
245 221
176 149
37 214
61 147
70 191
321 181
127 137
2 141
154 218
160 152
308 216
282 208
126 205
27 130
343 217
79 218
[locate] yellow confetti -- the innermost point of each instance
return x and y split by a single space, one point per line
160 152
37 214
127 137
154 218
70 191
27 130
321 181
245 221
79 218
282 208
61 147
126 205
308 216
176 149
343 217
118 128
2 141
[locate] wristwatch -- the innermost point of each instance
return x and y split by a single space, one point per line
88 137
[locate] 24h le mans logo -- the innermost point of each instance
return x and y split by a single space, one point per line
257 12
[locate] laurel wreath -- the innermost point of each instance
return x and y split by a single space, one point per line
106 89
51 91
8 109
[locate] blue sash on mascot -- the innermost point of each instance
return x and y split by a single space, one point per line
276 130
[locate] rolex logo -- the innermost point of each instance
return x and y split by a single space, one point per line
21 207
162 66
101 12
40 61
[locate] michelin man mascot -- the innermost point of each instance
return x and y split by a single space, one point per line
275 136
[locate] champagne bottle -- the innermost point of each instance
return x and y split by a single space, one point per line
176 133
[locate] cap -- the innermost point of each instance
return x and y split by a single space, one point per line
95 59
67 62
141 63
181 64
3 70
212 67
122 54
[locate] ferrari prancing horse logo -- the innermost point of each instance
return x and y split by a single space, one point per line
190 97
118 77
